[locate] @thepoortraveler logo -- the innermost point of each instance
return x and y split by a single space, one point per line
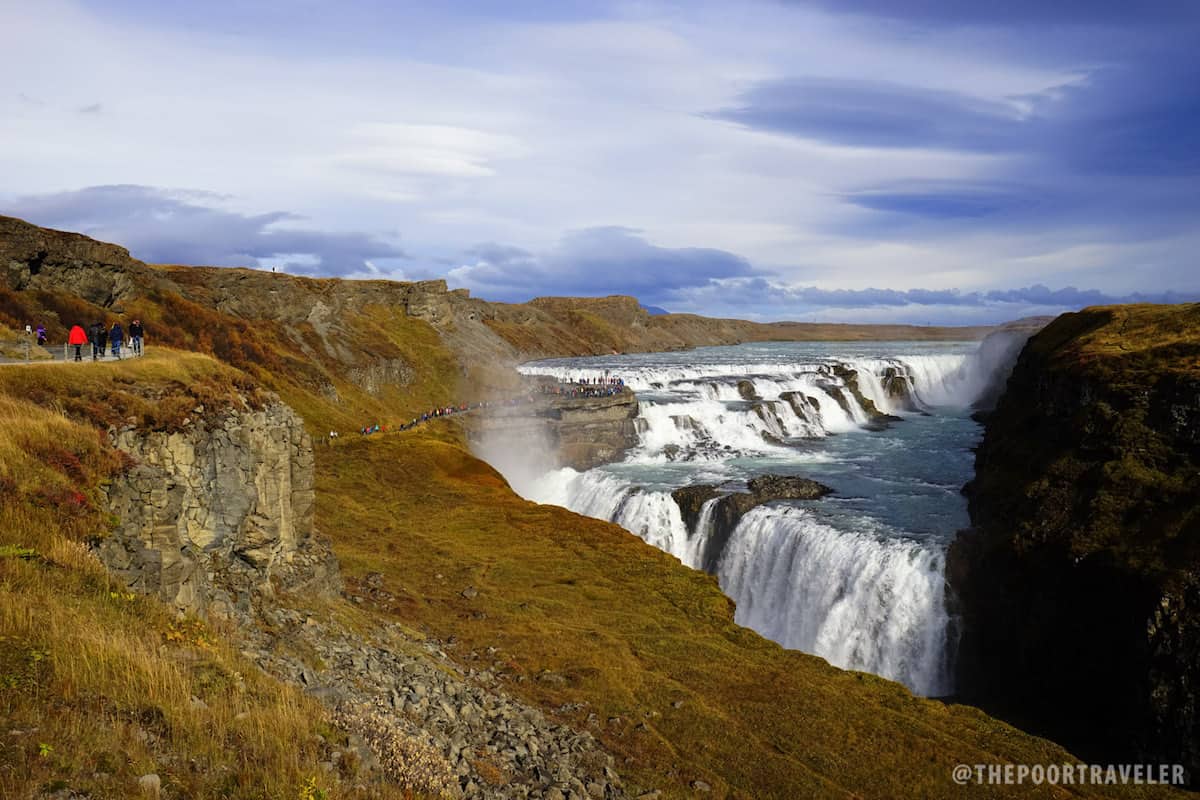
1069 774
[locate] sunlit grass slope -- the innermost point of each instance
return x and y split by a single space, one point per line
98 686
584 610
636 636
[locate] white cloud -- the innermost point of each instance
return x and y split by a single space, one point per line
409 149
520 132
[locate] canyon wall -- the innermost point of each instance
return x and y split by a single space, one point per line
1077 584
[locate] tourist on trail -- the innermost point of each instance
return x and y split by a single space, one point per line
116 336
41 335
135 336
77 338
97 335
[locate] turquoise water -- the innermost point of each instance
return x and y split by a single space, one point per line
857 577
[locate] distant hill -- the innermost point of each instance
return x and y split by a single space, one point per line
655 311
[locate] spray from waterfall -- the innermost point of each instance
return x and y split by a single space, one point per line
855 588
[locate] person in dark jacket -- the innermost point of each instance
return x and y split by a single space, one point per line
98 336
77 338
135 336
116 336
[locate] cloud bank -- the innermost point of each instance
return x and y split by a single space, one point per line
913 161
186 227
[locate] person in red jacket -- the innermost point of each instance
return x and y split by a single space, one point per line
77 338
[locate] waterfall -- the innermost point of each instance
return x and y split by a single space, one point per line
699 537
701 413
860 601
856 598
862 584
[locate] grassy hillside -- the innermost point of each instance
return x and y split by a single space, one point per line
578 611
581 612
99 686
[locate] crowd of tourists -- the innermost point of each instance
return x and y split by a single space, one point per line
586 387
594 387
443 411
102 339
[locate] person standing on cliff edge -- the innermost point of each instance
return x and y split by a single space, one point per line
77 338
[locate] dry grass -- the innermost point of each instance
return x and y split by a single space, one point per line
1143 341
103 686
632 632
409 762
157 391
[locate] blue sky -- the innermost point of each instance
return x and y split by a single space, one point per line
958 162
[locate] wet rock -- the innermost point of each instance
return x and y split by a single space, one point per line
731 507
578 432
767 488
691 500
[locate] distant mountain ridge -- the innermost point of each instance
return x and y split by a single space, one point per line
481 332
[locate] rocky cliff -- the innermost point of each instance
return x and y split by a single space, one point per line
1078 582
559 431
213 513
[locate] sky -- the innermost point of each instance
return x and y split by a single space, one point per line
951 163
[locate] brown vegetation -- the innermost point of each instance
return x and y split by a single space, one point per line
579 609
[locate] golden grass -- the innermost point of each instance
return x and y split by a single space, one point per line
103 686
630 629
157 391
633 632
1144 341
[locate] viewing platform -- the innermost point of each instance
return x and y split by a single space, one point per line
582 426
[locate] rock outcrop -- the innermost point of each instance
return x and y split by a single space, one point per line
560 431
1078 582
897 385
731 507
33 258
211 514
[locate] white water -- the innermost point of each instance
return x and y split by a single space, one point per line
857 578
697 412
861 600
